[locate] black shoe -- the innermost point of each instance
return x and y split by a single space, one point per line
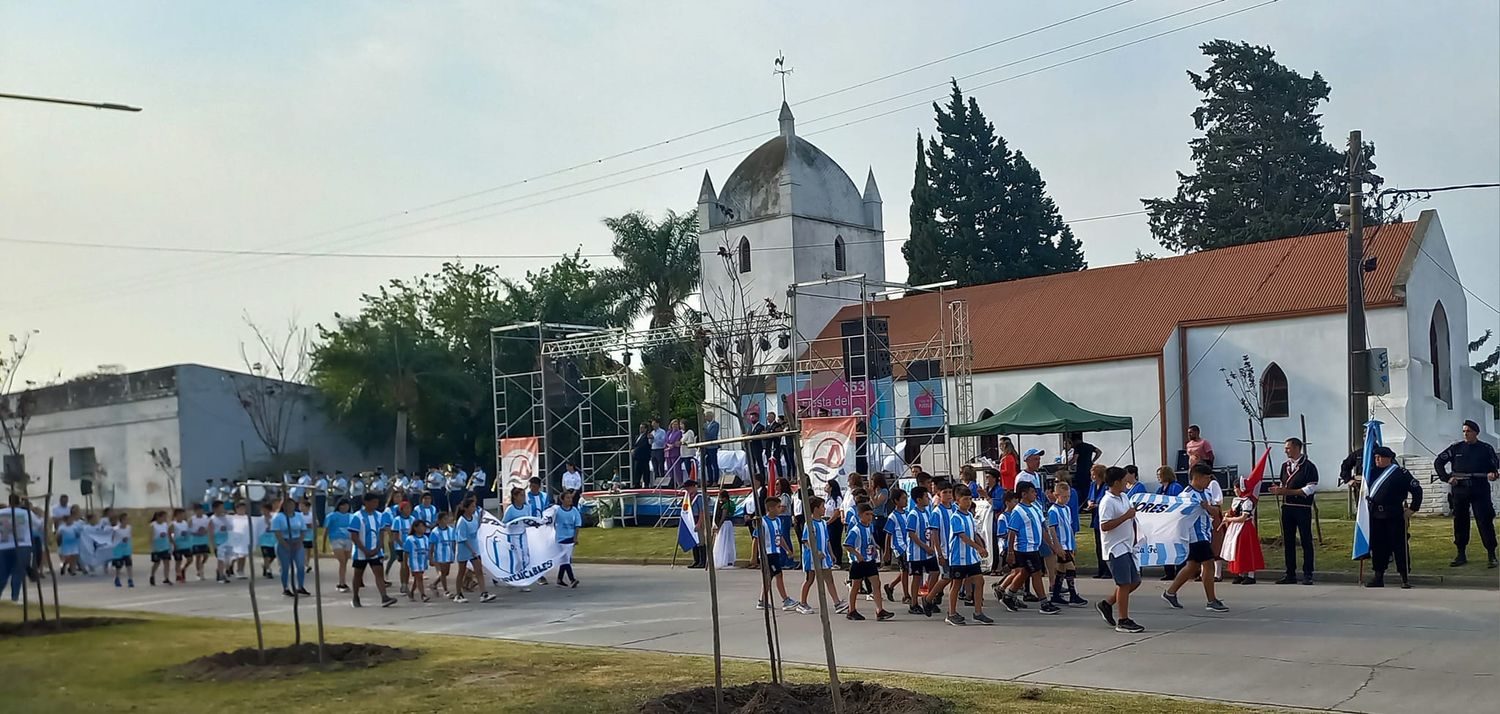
1107 611
1307 580
853 615
1028 597
882 615
1405 584
287 593
890 592
1459 561
303 592
1009 603
1493 562
1287 580
1167 578
1377 582
1128 626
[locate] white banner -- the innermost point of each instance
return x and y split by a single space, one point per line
1163 524
521 552
518 463
828 449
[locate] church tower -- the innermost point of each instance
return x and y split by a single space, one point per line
789 214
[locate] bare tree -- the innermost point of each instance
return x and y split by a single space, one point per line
740 339
1246 389
16 408
274 389
170 471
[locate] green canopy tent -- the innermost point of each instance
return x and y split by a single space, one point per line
1041 411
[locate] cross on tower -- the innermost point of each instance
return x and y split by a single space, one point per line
782 70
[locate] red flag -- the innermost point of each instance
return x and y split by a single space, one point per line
1252 482
771 478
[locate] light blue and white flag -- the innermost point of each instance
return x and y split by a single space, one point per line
1162 527
1362 513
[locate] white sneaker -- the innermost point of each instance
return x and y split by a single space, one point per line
760 604
486 597
789 605
805 609
460 599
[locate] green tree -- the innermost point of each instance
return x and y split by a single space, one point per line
1489 376
1262 168
659 270
994 219
924 260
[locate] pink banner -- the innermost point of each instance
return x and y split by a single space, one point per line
837 398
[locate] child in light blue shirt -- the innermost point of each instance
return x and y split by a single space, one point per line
567 519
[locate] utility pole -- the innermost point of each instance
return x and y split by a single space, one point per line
1359 400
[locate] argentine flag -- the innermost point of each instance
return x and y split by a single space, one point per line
687 527
1362 514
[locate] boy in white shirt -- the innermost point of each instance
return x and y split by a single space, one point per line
1117 537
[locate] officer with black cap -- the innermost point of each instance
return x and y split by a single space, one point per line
1389 487
1473 466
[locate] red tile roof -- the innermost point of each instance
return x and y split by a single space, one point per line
1130 310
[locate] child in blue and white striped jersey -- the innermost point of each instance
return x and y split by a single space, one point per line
444 551
864 563
818 552
418 549
773 539
897 544
966 553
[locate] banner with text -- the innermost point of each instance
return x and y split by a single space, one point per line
519 461
520 552
1162 527
828 449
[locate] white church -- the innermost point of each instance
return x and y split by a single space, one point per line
1146 340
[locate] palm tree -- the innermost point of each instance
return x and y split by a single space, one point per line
659 271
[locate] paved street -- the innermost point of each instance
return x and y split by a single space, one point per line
1325 647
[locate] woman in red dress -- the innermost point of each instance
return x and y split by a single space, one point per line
1009 464
1241 540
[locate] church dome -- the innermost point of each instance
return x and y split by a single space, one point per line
819 188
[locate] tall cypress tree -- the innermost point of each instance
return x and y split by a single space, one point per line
994 220
1263 168
924 260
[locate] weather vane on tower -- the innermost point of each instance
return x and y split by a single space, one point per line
782 70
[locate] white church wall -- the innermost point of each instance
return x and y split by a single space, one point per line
1171 419
1310 351
1122 388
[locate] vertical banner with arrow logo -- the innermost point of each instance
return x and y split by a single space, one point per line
518 463
828 448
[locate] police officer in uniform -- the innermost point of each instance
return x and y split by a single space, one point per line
1389 487
1469 466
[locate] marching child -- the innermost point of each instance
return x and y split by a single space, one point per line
1028 532
1200 541
567 519
444 551
120 555
515 536
965 555
776 547
1118 532
1060 522
399 521
161 548
337 530
864 564
239 541
218 524
182 543
367 529
937 530
69 535
921 558
418 549
267 542
817 551
466 532
198 526
896 544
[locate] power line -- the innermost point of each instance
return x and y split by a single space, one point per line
426 256
664 142
138 288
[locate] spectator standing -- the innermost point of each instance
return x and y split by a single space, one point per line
709 468
672 451
640 454
1299 481
1468 466
1010 464
1198 449
658 450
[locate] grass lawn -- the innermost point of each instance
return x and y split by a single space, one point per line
87 671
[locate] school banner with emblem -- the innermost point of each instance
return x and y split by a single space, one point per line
828 448
520 552
518 463
1163 524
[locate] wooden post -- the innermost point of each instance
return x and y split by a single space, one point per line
1317 522
46 522
705 535
317 577
14 539
260 640
804 488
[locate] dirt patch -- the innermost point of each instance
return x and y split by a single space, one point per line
243 664
37 628
766 698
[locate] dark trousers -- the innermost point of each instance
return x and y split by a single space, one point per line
640 467
700 556
1103 567
709 467
454 499
658 463
1477 500
1388 539
836 539
1296 522
439 498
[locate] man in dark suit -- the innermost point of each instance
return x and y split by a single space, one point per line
757 446
710 454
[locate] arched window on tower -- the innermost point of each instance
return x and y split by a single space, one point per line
1274 399
1439 355
744 256
840 262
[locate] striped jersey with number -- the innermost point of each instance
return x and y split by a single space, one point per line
1203 524
895 526
916 527
1027 521
862 540
1060 517
771 534
959 552
444 545
364 528
819 541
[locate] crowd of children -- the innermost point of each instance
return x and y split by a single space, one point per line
376 532
934 540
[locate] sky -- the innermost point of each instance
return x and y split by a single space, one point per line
511 129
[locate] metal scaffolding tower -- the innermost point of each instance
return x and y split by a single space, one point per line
960 366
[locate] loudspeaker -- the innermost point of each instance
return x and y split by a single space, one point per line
877 335
14 468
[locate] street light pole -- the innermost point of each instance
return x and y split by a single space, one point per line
71 102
